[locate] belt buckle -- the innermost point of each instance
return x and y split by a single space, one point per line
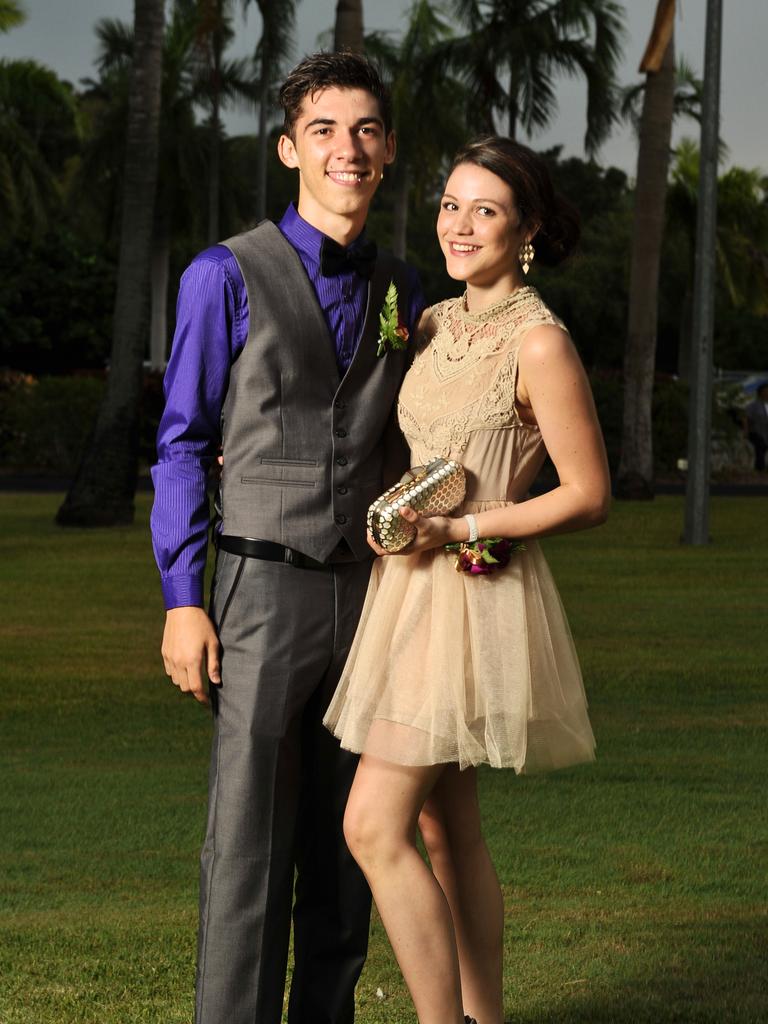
291 557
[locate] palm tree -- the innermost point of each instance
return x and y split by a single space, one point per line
425 103
181 161
635 473
689 92
39 131
220 82
103 491
348 30
514 49
11 15
214 33
185 148
741 242
278 23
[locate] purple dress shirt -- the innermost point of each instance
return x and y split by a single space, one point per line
211 331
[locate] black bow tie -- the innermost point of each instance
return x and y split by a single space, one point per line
334 258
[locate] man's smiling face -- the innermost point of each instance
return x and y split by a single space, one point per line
340 148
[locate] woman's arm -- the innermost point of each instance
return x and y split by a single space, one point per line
554 393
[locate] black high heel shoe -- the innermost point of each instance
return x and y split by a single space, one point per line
469 1020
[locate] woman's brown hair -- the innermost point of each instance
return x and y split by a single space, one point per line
528 176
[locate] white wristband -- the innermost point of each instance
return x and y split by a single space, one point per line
473 534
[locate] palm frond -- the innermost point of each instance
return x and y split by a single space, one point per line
115 44
689 90
11 14
533 41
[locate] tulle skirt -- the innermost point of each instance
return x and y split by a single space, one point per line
463 669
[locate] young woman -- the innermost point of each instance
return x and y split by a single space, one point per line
451 669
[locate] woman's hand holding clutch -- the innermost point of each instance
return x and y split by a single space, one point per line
431 532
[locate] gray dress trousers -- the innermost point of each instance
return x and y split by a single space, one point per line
278 787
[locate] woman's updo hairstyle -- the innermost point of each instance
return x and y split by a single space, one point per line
528 176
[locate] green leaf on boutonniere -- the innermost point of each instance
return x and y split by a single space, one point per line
393 334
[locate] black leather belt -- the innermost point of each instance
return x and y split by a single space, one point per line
268 551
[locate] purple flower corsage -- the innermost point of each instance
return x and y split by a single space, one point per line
483 556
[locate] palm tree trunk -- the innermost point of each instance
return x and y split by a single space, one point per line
348 32
513 109
686 324
214 170
261 161
103 491
158 334
635 474
512 126
400 218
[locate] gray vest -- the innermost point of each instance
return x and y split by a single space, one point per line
305 450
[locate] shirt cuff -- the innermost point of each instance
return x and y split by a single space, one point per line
182 591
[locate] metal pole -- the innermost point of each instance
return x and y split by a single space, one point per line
700 409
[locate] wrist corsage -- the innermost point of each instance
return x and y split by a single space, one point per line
485 555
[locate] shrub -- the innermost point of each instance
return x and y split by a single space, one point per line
56 305
45 423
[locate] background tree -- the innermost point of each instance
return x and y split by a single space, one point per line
514 49
278 26
635 477
741 240
39 132
214 31
11 15
348 30
104 487
590 290
220 82
425 102
686 102
185 147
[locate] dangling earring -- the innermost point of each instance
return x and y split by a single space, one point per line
526 254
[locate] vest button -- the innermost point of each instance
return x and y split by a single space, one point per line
341 432
340 403
342 490
342 460
340 519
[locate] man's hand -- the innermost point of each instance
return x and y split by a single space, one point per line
431 532
191 651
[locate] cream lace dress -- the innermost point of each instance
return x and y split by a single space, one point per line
445 666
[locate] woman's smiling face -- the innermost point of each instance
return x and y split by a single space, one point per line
479 226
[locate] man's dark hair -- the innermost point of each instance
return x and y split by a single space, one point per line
344 70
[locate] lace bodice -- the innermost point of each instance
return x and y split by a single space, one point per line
458 398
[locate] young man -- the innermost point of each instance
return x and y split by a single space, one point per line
276 359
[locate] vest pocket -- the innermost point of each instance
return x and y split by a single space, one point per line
288 462
276 482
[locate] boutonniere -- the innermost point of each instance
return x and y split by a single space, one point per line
393 334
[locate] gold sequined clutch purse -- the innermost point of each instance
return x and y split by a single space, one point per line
435 489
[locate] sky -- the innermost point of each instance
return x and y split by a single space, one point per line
59 33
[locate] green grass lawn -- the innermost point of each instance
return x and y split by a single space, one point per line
635 888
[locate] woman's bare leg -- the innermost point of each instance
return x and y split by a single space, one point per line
450 828
380 829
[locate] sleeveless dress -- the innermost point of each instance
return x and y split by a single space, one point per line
451 667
